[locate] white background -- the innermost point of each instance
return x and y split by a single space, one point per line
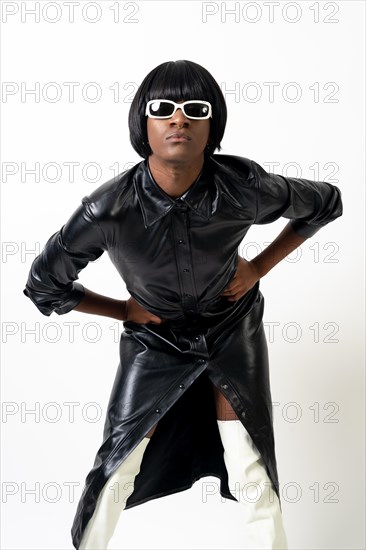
316 373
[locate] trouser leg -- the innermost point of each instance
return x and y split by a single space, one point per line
112 501
250 484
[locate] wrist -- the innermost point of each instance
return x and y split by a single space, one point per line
118 309
258 267
123 310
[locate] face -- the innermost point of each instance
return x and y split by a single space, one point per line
178 139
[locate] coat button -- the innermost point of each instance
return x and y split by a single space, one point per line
181 385
201 361
243 414
224 386
158 410
197 338
181 241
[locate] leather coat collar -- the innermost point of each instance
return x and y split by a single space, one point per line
202 197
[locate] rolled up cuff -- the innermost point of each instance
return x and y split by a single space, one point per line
61 304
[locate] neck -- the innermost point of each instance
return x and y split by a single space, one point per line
175 178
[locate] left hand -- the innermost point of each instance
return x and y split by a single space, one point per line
244 279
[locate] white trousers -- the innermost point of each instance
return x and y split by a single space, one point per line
112 501
249 483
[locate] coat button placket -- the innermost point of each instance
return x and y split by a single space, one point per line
185 275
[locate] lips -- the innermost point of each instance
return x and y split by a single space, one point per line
179 136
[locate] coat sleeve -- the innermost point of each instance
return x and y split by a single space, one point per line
309 205
51 281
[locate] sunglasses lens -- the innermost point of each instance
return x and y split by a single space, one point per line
161 108
196 110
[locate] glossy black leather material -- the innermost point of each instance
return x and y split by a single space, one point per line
176 256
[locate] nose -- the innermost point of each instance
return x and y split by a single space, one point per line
179 119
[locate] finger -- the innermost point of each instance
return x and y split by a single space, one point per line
229 287
238 295
231 282
155 320
235 297
231 290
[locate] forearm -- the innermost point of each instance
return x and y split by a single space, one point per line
102 305
286 242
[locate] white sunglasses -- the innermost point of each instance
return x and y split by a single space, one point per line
165 108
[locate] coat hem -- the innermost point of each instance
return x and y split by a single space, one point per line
180 490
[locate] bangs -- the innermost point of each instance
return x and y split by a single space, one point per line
178 81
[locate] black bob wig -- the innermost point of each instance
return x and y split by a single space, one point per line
177 80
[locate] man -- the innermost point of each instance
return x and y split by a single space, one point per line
193 380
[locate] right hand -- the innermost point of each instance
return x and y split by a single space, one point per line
138 314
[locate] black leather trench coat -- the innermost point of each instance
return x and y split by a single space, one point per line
175 257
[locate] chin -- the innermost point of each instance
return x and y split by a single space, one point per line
182 156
